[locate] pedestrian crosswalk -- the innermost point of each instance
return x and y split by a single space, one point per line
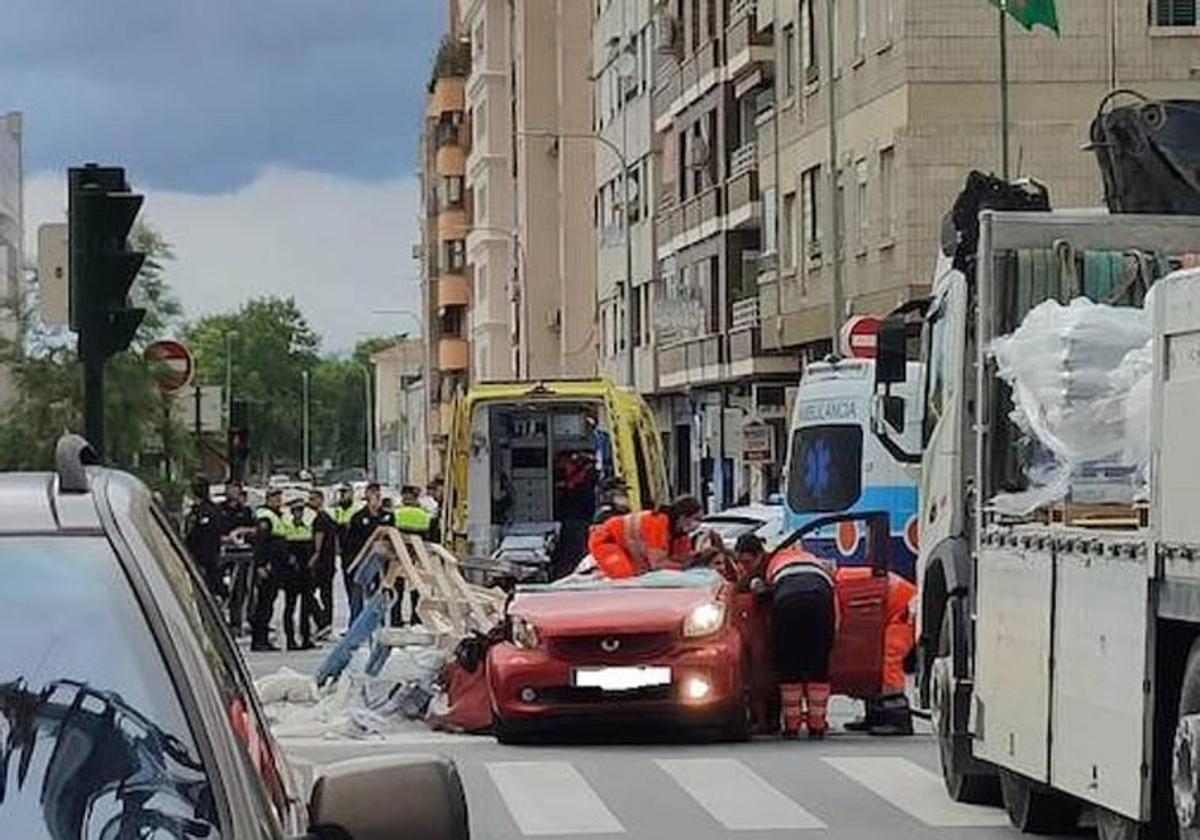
563 798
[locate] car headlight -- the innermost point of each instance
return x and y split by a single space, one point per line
524 634
704 620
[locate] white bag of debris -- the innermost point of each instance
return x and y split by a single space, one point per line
1076 375
286 686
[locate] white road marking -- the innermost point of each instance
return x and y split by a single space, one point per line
551 797
916 791
395 739
736 796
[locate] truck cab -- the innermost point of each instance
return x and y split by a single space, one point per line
526 459
836 464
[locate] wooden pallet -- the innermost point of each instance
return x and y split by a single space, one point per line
1101 516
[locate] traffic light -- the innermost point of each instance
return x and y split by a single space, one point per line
100 213
239 439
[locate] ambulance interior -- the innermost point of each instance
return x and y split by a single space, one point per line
533 472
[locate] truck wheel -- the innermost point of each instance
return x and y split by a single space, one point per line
962 786
1110 826
1036 809
1185 754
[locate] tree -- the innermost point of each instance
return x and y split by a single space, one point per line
49 388
270 344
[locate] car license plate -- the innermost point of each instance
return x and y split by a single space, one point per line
622 679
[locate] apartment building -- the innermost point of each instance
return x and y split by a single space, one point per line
915 90
715 373
623 52
532 242
446 216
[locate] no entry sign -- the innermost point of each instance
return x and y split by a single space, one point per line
172 363
860 336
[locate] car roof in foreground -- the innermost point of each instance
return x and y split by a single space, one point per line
30 503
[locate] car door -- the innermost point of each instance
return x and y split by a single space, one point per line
273 793
856 662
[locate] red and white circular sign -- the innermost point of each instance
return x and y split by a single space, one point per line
859 336
173 364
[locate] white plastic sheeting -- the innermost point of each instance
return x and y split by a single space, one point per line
1081 392
357 705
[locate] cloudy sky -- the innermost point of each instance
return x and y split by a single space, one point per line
275 140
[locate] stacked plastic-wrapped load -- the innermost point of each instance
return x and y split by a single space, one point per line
1078 375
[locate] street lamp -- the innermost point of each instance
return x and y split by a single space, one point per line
304 376
625 227
229 336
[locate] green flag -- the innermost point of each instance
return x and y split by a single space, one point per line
1029 13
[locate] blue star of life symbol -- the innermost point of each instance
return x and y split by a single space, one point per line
818 468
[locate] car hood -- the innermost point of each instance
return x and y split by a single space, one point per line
623 608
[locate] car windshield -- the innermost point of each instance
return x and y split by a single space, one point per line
690 579
93 739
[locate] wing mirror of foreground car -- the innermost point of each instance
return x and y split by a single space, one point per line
388 797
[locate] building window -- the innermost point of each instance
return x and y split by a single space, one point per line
695 25
862 206
481 280
839 207
789 61
452 190
835 63
887 28
770 214
788 230
479 118
635 191
636 315
711 17
714 295
477 42
810 240
808 42
887 191
456 255
860 26
1176 12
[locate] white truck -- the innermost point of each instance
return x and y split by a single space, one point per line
1059 653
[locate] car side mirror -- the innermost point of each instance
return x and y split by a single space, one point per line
385 797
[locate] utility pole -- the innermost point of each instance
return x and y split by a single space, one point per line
228 374
304 416
101 211
1004 167
837 302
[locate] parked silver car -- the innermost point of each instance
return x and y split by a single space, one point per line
126 710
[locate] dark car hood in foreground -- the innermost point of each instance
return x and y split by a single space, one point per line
658 602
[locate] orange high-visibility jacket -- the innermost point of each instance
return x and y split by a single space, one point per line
636 543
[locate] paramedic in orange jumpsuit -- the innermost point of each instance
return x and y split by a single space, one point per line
803 629
644 541
889 714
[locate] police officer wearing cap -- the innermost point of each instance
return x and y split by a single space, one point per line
270 560
202 532
298 574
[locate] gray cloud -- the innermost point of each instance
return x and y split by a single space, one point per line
201 95
339 246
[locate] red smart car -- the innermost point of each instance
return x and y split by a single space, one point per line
689 648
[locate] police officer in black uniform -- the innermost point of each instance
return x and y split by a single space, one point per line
239 527
270 562
202 534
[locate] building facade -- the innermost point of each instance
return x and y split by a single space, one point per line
716 374
532 242
401 454
914 86
446 219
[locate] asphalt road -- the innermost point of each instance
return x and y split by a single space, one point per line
849 787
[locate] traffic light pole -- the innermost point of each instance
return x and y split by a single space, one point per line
93 401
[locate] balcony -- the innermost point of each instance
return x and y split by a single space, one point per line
746 47
449 95
453 290
451 162
453 354
694 361
701 209
676 89
453 223
742 191
449 134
